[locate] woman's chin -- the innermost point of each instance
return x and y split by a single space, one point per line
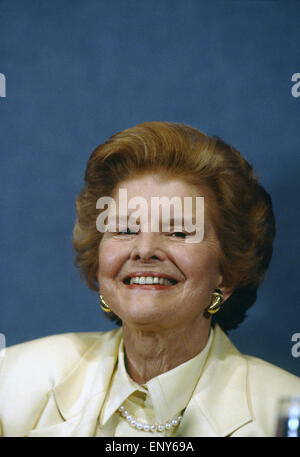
144 314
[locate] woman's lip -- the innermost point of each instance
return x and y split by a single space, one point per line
148 286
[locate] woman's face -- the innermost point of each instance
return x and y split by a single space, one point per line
192 268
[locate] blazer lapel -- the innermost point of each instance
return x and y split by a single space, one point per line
74 404
219 405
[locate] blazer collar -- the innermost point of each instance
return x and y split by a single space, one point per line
219 404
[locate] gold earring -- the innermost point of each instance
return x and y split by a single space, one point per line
104 305
216 303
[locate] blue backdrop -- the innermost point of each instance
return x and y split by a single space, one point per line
78 71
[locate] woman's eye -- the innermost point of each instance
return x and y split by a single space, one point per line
127 232
179 234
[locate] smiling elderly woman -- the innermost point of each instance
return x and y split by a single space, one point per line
170 369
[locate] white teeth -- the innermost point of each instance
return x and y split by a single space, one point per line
150 280
134 281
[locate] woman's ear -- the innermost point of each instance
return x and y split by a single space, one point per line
226 289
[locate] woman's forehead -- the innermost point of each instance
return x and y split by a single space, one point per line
156 185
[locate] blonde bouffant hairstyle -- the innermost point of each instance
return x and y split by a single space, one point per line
243 218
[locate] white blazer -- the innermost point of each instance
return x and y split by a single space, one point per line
55 386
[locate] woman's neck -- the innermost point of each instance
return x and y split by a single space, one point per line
150 353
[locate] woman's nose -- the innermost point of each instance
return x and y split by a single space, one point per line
147 247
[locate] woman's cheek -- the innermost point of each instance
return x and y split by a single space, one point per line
111 259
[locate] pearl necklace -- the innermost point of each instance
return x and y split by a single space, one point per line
132 421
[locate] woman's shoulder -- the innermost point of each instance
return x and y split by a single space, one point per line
262 377
82 339
52 355
74 344
271 378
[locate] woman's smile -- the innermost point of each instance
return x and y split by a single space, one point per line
149 280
